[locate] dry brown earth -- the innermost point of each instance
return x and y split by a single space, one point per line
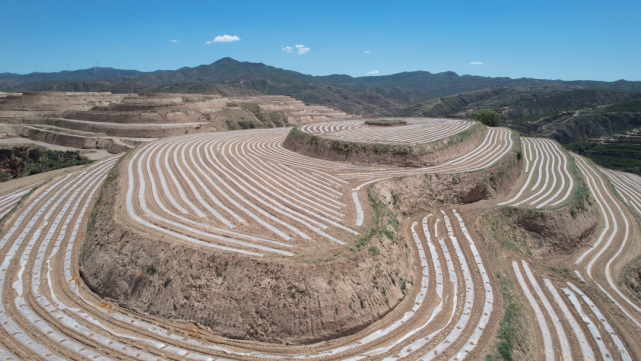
481 272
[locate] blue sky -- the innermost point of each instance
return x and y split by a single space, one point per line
568 40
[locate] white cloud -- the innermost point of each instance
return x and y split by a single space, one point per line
367 51
300 49
373 72
476 63
224 39
173 41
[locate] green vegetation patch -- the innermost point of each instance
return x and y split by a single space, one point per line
509 330
384 221
620 154
386 122
629 106
24 161
486 116
632 278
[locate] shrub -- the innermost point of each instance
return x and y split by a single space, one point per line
487 117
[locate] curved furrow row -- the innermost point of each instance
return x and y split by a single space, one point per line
424 132
612 241
321 128
449 323
538 314
628 185
79 326
579 345
601 319
199 184
569 319
20 318
417 131
548 181
142 203
10 200
566 354
497 143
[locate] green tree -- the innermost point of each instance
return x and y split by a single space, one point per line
487 117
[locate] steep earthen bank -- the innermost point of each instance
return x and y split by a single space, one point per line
112 145
278 300
419 155
411 194
545 232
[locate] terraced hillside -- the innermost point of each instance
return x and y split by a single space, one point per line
599 124
228 245
119 122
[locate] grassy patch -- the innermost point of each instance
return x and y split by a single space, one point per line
513 321
386 122
384 222
630 106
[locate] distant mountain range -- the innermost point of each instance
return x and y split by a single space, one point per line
369 95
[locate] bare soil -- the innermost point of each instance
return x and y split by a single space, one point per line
273 300
404 155
416 193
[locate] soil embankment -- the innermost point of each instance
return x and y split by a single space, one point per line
406 155
277 300
112 145
557 231
423 192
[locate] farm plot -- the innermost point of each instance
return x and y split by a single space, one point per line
582 332
49 314
628 185
616 235
242 192
497 143
217 190
416 131
548 180
10 200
